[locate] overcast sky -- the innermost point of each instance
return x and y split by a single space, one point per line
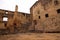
23 5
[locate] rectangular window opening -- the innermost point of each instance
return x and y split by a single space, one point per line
58 11
5 19
46 15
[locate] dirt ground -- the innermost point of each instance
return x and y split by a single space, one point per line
31 36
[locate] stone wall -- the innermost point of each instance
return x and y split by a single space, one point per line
43 12
22 18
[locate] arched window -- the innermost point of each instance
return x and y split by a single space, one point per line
6 12
35 22
56 2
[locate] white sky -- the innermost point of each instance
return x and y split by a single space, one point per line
23 5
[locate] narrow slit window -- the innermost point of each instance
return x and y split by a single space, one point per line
38 12
39 17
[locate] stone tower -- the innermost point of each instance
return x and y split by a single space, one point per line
16 10
13 21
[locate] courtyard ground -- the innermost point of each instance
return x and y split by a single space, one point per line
31 36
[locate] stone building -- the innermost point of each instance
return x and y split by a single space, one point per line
45 15
13 19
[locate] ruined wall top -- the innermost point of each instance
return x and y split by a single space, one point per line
16 8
